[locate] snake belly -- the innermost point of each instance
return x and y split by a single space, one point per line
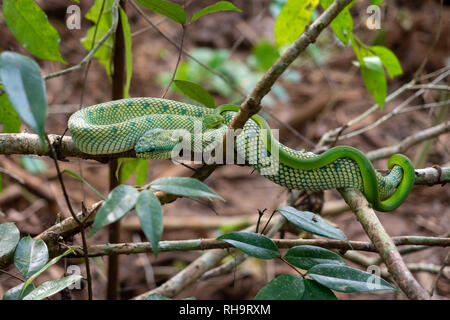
116 126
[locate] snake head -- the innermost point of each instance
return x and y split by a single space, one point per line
156 144
213 120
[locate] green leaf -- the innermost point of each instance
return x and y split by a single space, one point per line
156 296
33 165
51 287
8 116
316 291
347 279
253 244
9 238
104 53
14 293
283 287
264 54
292 20
30 256
195 92
342 25
45 267
29 24
183 186
216 7
374 79
306 257
127 166
128 51
311 222
77 176
150 215
25 88
168 9
121 200
389 60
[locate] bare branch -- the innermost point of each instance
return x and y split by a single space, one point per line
384 245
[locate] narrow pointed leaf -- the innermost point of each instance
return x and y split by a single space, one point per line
283 287
195 92
78 177
183 186
121 200
128 51
306 257
30 256
216 7
150 215
311 222
347 279
51 287
253 244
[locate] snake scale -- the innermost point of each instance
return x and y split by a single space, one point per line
148 124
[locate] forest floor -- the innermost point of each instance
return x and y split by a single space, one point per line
329 94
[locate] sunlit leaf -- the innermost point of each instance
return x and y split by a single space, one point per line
389 60
8 116
292 20
29 24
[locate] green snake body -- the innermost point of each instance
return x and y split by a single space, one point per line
122 125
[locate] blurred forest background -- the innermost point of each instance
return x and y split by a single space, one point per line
322 90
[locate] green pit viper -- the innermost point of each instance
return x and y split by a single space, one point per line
148 124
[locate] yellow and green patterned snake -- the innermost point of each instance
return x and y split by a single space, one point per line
147 125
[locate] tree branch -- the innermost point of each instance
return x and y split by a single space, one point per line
384 245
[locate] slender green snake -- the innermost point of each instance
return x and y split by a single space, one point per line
147 125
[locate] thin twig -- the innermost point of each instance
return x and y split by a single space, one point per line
183 32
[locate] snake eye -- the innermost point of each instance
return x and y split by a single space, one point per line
151 150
